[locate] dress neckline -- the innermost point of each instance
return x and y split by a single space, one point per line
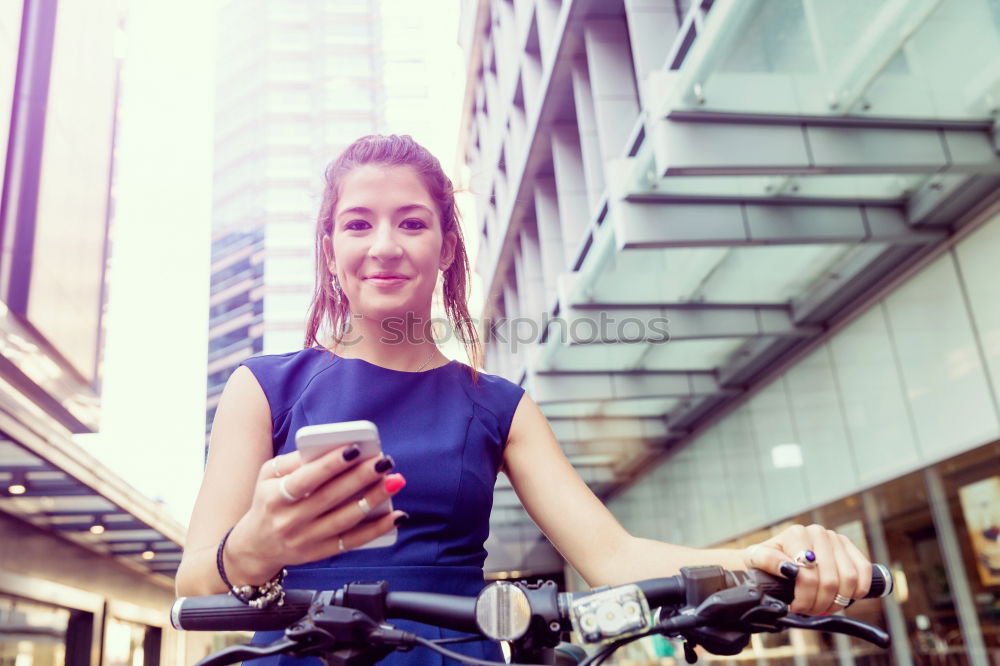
338 357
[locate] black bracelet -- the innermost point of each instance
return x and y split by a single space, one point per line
261 596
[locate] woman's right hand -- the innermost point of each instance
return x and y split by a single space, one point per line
322 520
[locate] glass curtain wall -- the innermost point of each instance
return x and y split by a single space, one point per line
888 432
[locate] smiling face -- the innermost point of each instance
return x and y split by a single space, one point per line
387 243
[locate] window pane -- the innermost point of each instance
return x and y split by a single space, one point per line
873 399
942 371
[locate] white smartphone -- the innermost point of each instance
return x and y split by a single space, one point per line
312 441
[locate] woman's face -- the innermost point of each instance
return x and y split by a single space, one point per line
387 244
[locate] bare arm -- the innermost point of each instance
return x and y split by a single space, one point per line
604 553
241 489
239 445
576 521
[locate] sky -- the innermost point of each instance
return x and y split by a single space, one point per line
153 394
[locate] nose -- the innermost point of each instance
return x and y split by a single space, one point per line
384 244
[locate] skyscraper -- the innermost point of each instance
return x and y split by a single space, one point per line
297 82
86 561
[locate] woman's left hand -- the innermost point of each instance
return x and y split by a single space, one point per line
840 572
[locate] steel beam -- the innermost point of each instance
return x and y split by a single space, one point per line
611 322
35 489
670 225
113 526
810 146
623 448
556 387
607 428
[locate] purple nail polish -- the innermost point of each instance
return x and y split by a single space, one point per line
351 452
788 570
385 464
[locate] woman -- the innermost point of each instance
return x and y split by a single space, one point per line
387 227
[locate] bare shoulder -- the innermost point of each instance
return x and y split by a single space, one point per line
528 420
243 415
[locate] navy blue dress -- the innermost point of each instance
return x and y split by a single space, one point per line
446 434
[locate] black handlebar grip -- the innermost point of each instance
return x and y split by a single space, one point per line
223 612
663 591
881 582
783 588
445 610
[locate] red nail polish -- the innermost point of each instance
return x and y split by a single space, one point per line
393 483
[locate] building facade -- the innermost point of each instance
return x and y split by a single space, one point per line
86 562
296 83
741 253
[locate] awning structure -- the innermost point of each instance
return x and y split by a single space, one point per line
59 488
791 159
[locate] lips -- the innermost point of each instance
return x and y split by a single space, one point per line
386 279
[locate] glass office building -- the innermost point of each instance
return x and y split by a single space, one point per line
742 253
86 562
297 81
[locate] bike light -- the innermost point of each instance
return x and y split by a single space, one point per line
611 614
502 611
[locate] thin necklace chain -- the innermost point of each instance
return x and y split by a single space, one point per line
424 364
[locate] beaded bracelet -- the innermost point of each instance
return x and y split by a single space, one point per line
269 594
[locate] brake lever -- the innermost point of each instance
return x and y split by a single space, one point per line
837 624
237 653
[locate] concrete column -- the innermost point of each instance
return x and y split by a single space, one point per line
550 239
652 26
590 148
547 13
571 187
528 265
612 78
880 554
965 607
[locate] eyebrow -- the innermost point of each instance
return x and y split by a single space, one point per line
402 209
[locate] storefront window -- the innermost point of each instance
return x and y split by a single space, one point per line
972 485
32 634
947 574
125 644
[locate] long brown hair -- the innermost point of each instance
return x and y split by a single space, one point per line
329 306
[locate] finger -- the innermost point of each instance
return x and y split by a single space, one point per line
782 548
827 574
279 466
766 557
351 513
861 564
304 480
346 485
365 532
847 572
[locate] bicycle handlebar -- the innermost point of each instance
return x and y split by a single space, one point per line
223 612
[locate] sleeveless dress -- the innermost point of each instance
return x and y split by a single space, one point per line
446 435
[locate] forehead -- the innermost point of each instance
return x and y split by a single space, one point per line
375 186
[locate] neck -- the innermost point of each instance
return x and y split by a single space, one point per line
398 343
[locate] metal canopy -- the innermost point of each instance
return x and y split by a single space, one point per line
53 499
645 224
770 187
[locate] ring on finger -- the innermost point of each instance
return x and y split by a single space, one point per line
365 507
283 489
274 466
340 544
805 559
841 600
